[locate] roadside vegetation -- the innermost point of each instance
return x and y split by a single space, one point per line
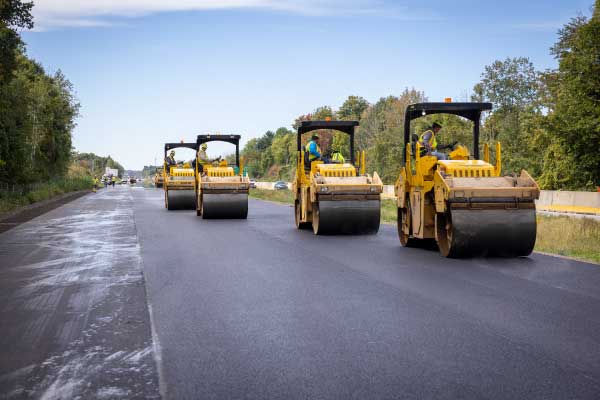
37 116
547 121
566 236
15 196
37 109
279 196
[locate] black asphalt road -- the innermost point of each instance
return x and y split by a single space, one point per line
74 323
256 309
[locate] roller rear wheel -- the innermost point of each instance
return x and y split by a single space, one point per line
443 226
403 224
298 216
315 218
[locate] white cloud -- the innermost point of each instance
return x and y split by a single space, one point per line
84 13
539 26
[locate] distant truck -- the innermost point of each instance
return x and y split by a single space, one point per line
111 171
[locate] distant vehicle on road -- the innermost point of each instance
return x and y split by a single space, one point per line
280 185
252 184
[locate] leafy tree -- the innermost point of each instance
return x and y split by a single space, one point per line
352 109
37 110
513 85
265 141
96 165
14 14
572 160
381 133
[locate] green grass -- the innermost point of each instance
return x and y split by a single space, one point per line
279 196
566 236
9 201
389 211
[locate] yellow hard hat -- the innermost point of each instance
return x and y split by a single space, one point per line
204 146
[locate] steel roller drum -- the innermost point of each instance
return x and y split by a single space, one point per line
347 217
503 233
181 199
225 205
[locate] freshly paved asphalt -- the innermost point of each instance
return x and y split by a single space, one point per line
256 309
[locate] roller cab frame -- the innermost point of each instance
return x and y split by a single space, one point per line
464 204
179 183
221 191
335 198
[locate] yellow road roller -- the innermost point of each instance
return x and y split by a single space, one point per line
159 177
335 198
463 203
179 182
222 189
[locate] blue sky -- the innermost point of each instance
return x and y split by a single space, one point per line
151 71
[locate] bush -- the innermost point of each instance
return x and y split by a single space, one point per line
24 195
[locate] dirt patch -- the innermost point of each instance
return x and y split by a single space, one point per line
24 214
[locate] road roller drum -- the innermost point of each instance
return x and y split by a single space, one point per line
180 199
500 233
225 206
346 217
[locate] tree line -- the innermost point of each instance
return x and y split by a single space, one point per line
92 164
547 121
37 109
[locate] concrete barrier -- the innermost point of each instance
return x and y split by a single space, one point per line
265 185
270 185
569 202
388 192
559 197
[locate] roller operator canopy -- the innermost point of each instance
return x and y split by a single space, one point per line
233 139
470 111
341 126
171 146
